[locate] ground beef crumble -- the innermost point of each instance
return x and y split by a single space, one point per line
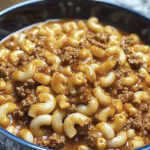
89 133
38 53
134 61
25 59
25 95
22 90
21 113
82 95
126 96
6 70
69 55
117 89
102 37
128 41
55 141
141 120
97 40
71 109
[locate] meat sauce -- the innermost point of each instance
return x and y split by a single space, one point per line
60 39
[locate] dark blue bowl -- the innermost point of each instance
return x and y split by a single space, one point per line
30 12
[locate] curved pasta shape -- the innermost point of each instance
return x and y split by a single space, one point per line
36 123
60 41
105 113
46 105
43 89
101 143
107 80
55 27
93 24
97 51
82 25
141 48
57 120
42 78
76 37
83 147
110 29
102 98
27 45
5 109
135 37
106 130
62 101
85 55
15 56
116 50
38 63
88 71
118 122
78 79
29 72
130 109
71 120
129 80
4 53
57 83
145 58
106 66
46 31
90 109
118 141
9 89
6 98
11 129
114 40
69 26
141 96
117 103
53 60
2 85
19 37
26 135
136 142
24 75
145 74
66 70
131 133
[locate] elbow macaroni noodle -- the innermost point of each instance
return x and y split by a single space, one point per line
106 112
71 120
102 98
26 135
57 120
57 83
106 130
117 141
5 109
90 109
108 80
62 101
76 84
36 123
46 105
118 122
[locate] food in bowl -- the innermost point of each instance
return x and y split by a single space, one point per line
76 84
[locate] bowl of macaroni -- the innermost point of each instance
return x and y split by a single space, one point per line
74 75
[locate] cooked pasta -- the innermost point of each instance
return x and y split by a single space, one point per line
76 85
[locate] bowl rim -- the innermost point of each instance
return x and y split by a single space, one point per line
109 2
12 8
